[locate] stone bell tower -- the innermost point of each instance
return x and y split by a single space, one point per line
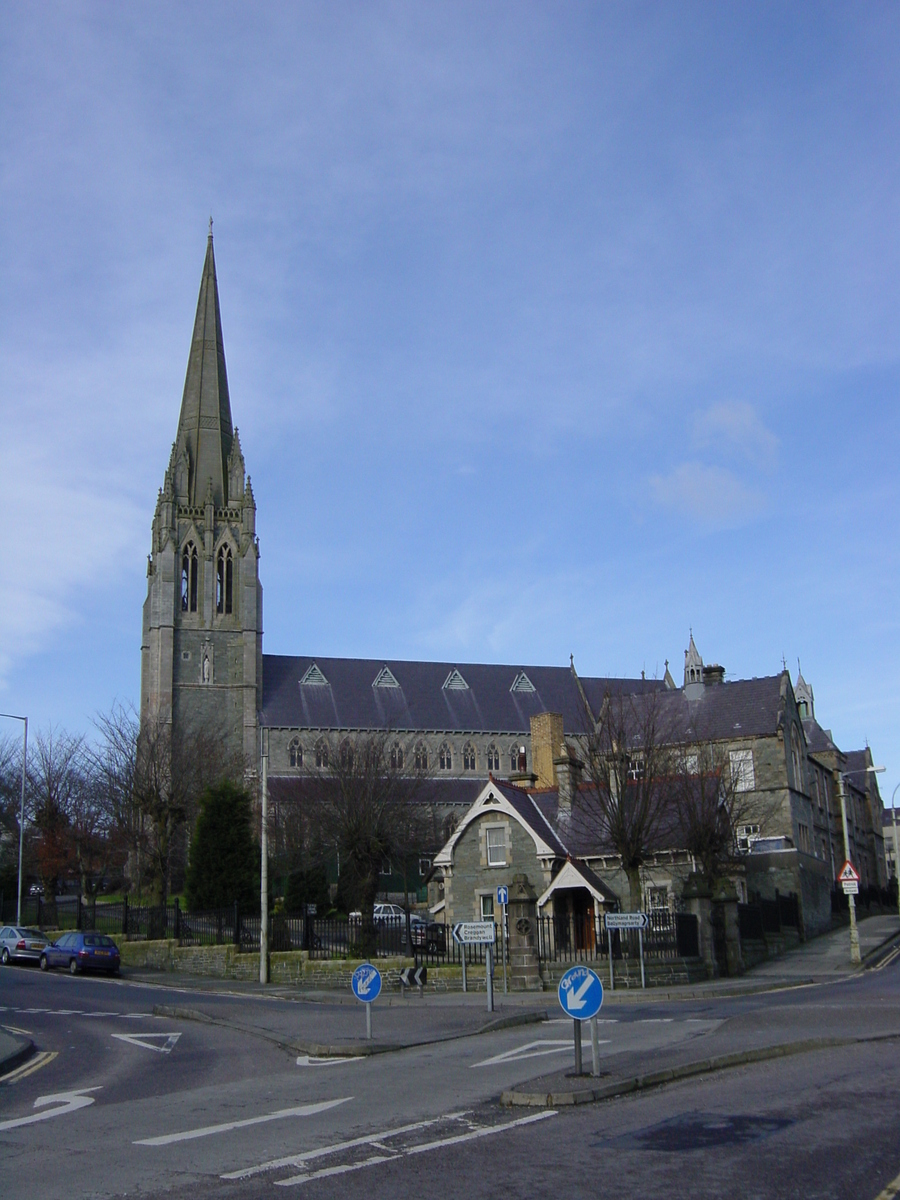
201 649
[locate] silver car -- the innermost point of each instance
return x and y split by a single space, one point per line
20 942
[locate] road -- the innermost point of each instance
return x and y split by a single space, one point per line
151 1106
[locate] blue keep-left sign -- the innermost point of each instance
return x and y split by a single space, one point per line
503 894
580 993
366 983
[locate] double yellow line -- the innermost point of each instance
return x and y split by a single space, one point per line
42 1059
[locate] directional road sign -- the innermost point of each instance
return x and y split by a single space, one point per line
632 920
848 873
414 976
470 933
366 983
503 894
580 993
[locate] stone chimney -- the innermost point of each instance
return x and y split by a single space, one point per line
713 674
547 740
568 773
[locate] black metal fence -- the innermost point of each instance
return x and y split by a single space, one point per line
768 916
583 938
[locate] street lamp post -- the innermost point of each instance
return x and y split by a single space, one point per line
264 863
13 717
855 957
896 849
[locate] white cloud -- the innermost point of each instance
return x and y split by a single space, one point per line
736 426
714 496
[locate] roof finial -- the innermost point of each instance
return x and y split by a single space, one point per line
210 226
783 663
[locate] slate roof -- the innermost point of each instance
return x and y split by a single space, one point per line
421 701
818 740
740 708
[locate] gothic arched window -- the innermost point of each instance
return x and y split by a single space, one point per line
396 757
468 757
321 753
493 757
189 578
445 757
224 580
296 752
421 757
518 758
347 754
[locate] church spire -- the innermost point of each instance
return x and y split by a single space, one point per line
204 426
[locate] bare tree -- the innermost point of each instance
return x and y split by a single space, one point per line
710 802
152 779
55 784
367 810
10 797
628 753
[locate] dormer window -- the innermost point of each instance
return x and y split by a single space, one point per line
189 578
224 580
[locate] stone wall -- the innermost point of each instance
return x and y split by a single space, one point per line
472 877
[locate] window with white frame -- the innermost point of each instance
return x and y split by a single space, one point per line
746 835
495 842
657 898
424 866
742 770
487 908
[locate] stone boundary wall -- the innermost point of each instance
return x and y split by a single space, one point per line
287 967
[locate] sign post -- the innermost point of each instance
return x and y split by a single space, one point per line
503 900
478 933
366 984
580 995
629 920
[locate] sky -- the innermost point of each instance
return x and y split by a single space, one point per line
550 329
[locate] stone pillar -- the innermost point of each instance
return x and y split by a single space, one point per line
525 974
725 904
697 896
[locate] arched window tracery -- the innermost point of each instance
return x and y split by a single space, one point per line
189 568
224 581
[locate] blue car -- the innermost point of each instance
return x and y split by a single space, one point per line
82 952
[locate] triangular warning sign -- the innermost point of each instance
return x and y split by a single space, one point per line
162 1043
848 873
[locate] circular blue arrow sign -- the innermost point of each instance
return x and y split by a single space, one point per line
366 983
580 993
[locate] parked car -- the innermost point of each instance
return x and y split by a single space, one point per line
35 890
19 942
82 952
387 912
430 936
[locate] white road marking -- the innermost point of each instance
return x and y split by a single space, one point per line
65 1102
163 1043
532 1050
422 1148
302 1110
304 1060
297 1160
655 1020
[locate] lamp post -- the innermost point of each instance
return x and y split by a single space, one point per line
264 864
896 850
855 956
13 717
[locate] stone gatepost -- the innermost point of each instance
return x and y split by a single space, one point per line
725 904
524 966
697 895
